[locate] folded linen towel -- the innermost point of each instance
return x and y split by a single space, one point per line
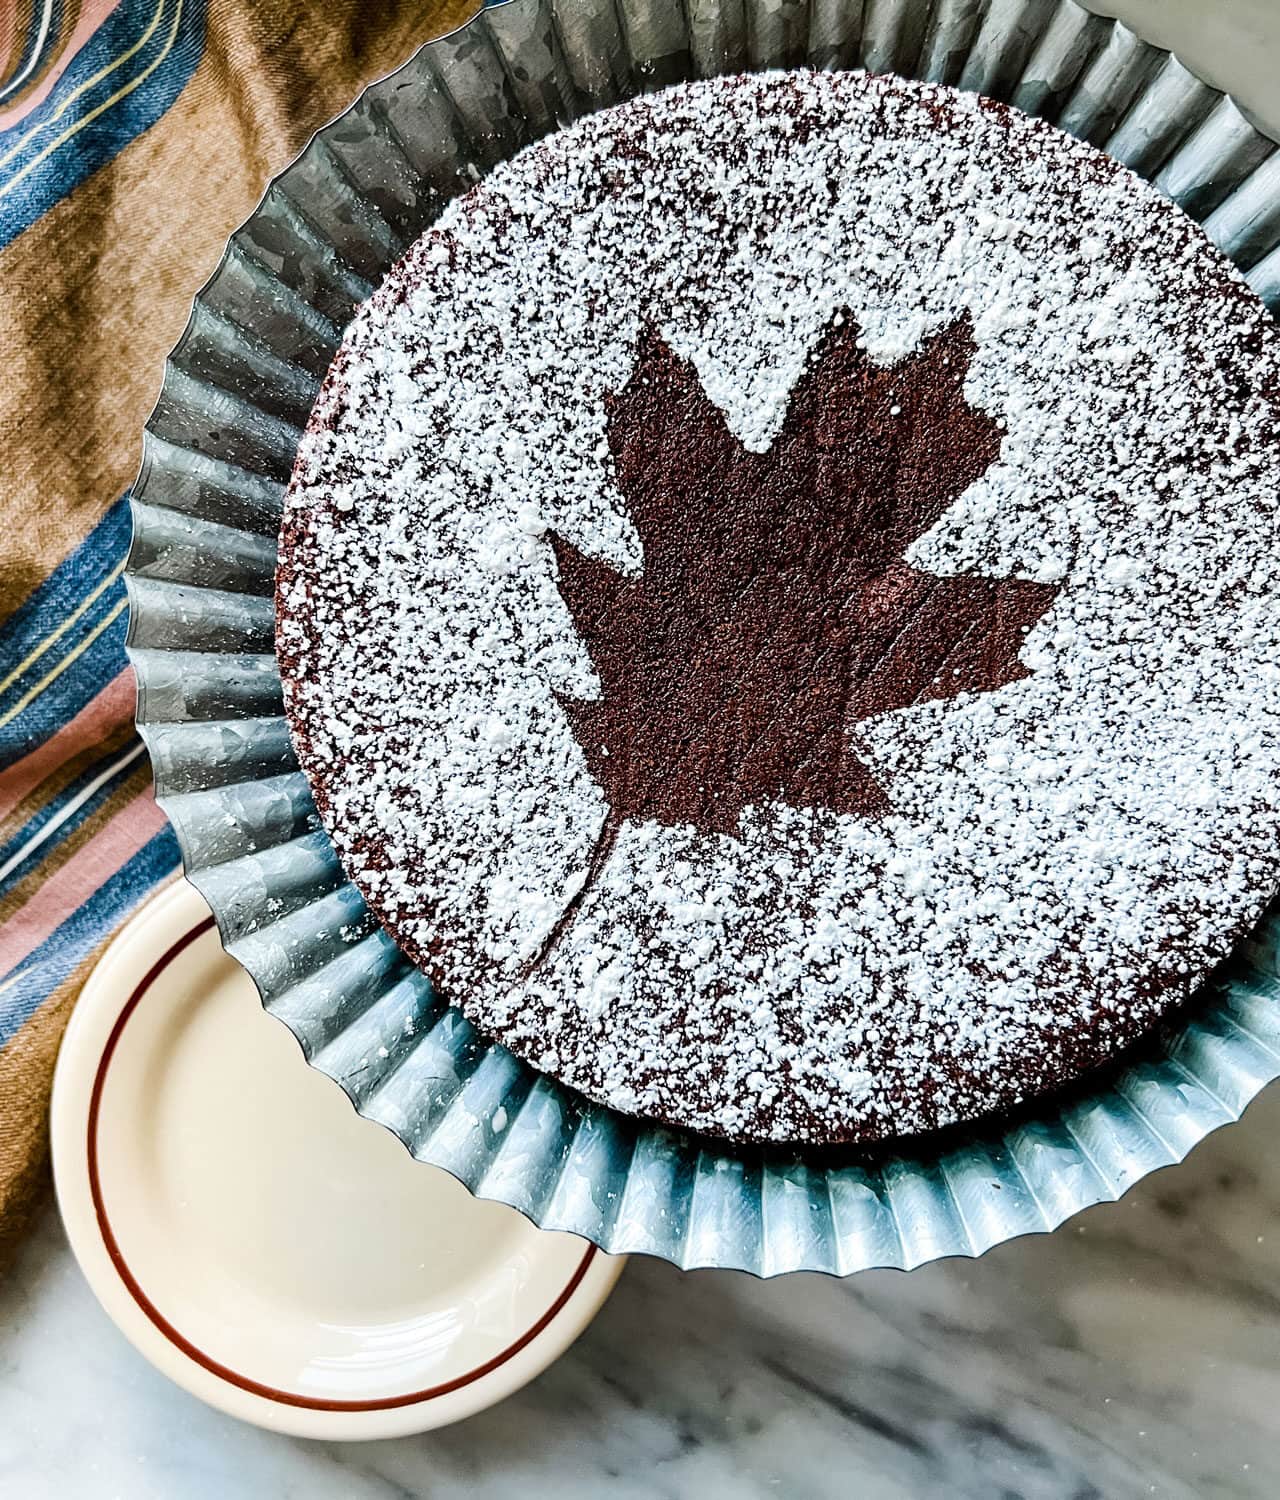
135 135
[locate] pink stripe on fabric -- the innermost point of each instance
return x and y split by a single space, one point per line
88 869
112 707
92 14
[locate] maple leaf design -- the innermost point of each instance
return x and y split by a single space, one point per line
775 610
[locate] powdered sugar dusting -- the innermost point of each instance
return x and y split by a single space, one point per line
1065 856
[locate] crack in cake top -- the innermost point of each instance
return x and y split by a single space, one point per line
774 612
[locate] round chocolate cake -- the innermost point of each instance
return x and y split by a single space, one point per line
779 606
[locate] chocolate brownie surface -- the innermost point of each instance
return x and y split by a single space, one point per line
779 604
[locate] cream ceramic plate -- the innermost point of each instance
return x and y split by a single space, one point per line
258 1242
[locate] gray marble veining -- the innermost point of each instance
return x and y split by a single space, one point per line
1135 1352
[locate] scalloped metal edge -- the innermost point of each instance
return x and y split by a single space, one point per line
218 450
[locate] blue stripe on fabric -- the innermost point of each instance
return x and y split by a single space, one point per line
46 813
56 598
131 98
76 575
44 969
91 671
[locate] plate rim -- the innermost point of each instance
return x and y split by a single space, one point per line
139 955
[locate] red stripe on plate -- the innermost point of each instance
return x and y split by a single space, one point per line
207 1362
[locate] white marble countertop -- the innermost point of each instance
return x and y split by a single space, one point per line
1135 1352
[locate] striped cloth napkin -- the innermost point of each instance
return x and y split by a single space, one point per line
134 136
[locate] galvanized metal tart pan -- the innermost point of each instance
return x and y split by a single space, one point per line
218 452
